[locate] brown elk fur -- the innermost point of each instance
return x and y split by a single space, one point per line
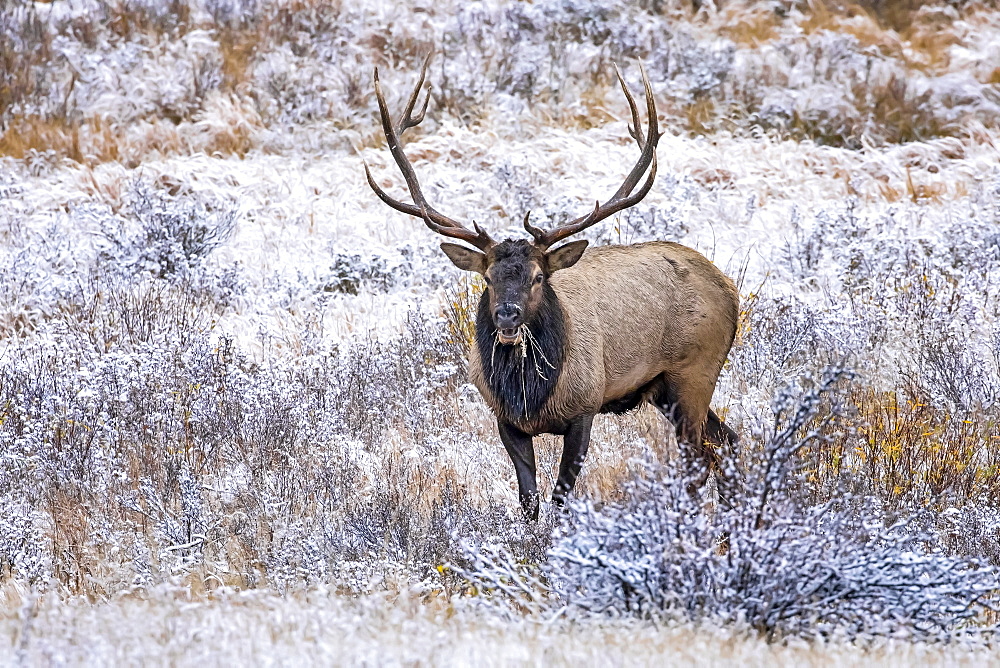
635 315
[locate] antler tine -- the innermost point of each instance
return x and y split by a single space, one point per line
648 146
435 220
536 232
624 197
407 121
633 128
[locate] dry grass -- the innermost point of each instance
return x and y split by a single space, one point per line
896 15
910 451
751 25
902 113
699 116
912 447
26 135
852 19
919 34
227 127
461 304
130 20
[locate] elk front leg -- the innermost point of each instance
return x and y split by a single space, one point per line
575 444
522 453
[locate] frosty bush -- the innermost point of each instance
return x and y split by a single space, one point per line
203 461
794 69
771 561
166 236
350 272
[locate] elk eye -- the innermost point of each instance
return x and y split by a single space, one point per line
538 279
488 281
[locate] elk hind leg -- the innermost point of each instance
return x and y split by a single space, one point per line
722 439
719 433
687 409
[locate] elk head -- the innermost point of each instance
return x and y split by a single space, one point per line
516 271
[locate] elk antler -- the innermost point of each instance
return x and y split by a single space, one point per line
624 198
420 208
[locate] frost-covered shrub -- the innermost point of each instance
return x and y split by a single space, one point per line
22 543
889 272
166 236
25 50
300 63
180 445
296 89
815 572
233 14
647 223
350 272
765 557
787 337
528 50
691 68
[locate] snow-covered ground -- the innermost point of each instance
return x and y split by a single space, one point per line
224 362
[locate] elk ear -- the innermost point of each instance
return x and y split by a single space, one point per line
566 256
465 258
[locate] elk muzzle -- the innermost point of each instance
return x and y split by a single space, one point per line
507 319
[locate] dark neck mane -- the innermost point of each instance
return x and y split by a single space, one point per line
521 377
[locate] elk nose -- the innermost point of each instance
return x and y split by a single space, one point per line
508 316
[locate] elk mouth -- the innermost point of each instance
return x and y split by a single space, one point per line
509 336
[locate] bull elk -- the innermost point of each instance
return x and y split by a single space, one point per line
565 333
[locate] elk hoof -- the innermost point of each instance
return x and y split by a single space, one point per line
559 501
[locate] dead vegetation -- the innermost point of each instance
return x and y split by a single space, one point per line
886 69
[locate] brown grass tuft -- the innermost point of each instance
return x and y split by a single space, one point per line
460 310
129 20
895 15
904 114
699 116
228 126
921 192
238 51
846 18
930 37
25 135
749 25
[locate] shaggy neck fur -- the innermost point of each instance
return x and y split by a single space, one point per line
522 376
